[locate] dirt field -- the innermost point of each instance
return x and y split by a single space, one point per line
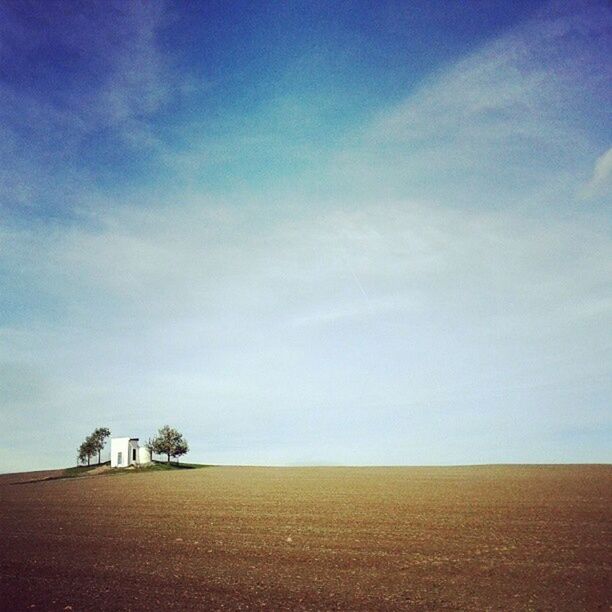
310 538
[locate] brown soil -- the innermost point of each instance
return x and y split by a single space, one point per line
232 538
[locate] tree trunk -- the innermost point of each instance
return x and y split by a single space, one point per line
88 458
99 452
168 458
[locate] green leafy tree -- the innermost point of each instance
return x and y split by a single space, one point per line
93 445
87 450
98 439
169 442
81 457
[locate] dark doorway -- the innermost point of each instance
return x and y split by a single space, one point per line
133 454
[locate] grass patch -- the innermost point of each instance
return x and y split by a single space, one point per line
71 472
81 470
156 466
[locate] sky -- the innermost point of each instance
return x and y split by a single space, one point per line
353 233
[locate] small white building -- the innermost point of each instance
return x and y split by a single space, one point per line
127 451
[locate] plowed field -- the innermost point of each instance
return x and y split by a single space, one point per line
238 538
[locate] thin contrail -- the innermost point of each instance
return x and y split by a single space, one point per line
367 297
355 278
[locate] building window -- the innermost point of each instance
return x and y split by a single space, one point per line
119 458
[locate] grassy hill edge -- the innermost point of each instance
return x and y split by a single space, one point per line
104 469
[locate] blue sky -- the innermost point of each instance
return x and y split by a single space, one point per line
303 232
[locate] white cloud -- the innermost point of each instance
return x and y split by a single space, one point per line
601 181
45 131
509 125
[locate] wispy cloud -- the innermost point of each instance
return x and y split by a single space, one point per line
495 127
114 40
113 77
601 181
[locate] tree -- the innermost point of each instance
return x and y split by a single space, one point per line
98 438
93 444
81 455
86 450
169 442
